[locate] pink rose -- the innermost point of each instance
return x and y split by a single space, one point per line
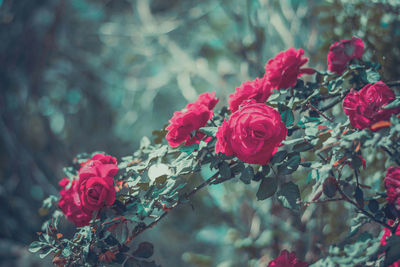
365 107
252 133
96 185
392 185
258 89
106 159
386 235
340 53
70 205
184 124
287 259
283 70
207 99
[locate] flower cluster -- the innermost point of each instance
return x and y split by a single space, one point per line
184 124
93 189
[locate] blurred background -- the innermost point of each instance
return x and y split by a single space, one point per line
96 75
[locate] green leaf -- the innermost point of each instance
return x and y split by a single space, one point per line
189 149
268 187
373 205
393 251
312 175
145 250
247 175
35 246
286 115
288 194
290 165
371 76
210 131
394 104
46 250
302 147
225 170
145 142
330 187
278 157
359 196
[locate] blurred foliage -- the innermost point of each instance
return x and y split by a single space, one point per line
86 75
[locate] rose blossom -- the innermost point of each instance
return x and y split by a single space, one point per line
258 89
207 99
252 133
340 53
287 259
185 123
365 107
392 185
106 159
96 184
283 70
386 235
70 205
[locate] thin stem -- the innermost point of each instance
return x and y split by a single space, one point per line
390 154
319 112
363 211
321 201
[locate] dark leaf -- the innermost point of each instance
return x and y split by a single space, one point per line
290 165
288 195
267 188
359 196
278 157
145 250
210 131
225 170
373 205
247 175
330 187
302 147
393 250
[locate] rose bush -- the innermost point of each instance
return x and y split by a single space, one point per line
113 204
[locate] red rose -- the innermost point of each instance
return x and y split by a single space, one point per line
258 89
392 185
283 70
340 53
70 204
252 133
96 185
387 234
185 123
287 259
106 159
365 107
207 99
